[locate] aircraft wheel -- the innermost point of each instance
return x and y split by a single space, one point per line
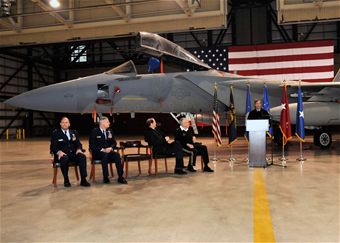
323 139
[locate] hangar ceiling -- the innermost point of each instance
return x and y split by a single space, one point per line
35 21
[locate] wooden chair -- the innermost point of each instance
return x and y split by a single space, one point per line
56 165
135 157
156 157
95 162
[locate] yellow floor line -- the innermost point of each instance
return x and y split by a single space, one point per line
263 227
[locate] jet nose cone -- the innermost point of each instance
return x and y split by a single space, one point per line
15 101
53 98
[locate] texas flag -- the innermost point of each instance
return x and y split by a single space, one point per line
285 126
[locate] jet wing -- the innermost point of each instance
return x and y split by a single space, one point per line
156 45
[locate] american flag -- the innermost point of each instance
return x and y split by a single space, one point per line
311 61
215 57
216 130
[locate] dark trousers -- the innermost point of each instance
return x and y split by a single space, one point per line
79 159
198 149
172 148
106 158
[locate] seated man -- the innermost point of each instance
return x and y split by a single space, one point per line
66 146
185 135
102 145
162 145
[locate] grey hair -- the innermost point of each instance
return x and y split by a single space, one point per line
182 120
102 118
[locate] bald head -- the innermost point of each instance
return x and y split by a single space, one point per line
65 123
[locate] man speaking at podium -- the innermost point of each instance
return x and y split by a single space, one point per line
258 113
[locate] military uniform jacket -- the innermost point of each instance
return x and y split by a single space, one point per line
184 137
60 142
98 141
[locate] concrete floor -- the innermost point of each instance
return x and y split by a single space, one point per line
303 200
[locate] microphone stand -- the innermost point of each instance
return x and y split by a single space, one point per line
272 148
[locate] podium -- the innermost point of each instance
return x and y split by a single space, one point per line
257 142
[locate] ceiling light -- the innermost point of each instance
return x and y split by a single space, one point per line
54 3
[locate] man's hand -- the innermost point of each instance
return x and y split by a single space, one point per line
60 154
79 151
194 140
107 150
190 146
167 139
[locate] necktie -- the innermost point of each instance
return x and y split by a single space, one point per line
104 133
67 135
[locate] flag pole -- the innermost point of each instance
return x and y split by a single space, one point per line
215 159
231 158
283 158
301 158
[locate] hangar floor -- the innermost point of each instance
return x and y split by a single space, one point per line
235 204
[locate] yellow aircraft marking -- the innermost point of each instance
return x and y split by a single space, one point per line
263 227
133 98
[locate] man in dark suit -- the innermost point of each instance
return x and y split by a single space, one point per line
162 145
102 145
258 112
66 146
185 135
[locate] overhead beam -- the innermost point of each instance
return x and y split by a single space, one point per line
106 29
10 24
118 10
185 7
57 16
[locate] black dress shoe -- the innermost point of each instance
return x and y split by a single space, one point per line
122 180
106 180
180 172
191 168
208 169
85 183
67 184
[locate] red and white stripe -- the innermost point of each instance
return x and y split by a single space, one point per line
216 129
311 61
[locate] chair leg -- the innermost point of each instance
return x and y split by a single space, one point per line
156 167
202 162
126 169
111 170
76 171
93 171
54 180
166 165
139 169
150 166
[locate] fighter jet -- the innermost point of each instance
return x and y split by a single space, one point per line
123 90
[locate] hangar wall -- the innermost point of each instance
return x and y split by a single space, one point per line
30 66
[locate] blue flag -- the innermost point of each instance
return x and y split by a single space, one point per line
266 106
248 109
300 118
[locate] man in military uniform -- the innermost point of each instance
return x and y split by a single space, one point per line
102 145
66 146
185 135
258 112
162 144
